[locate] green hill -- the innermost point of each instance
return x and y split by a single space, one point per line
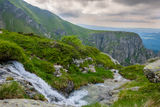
40 56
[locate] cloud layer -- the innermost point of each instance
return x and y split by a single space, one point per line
111 13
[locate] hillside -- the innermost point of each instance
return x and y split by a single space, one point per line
74 63
19 16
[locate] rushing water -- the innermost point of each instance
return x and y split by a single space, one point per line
87 94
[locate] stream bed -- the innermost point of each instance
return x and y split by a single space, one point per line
106 92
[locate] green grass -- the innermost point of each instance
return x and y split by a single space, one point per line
11 91
39 55
146 96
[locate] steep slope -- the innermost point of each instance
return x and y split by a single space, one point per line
19 16
65 65
37 20
126 47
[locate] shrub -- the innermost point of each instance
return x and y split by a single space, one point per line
11 51
12 90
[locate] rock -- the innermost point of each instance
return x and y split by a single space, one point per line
26 103
115 80
152 70
134 88
69 88
92 68
127 48
57 72
1 32
84 72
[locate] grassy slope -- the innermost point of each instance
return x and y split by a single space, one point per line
39 55
49 20
146 96
51 23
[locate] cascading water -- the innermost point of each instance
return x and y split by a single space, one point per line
41 86
86 95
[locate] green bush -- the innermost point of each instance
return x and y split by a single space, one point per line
11 51
12 90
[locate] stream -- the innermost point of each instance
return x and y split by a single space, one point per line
106 92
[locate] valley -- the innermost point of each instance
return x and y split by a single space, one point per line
46 61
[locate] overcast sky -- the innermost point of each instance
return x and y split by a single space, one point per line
109 13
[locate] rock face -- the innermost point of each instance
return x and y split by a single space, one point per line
125 47
152 70
25 103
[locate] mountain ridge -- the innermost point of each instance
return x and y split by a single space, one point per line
20 16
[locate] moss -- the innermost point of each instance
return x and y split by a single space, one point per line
132 72
39 97
9 78
104 60
12 90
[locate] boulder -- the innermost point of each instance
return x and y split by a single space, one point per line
152 71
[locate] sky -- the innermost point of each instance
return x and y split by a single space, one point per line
108 13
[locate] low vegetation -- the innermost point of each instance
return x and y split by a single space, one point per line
146 96
95 105
39 54
12 90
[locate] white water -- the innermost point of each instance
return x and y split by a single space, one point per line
87 94
41 86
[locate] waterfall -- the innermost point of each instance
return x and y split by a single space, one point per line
52 95
85 95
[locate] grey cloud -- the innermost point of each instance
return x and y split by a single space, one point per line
135 2
69 14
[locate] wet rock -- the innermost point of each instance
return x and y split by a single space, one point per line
115 80
69 88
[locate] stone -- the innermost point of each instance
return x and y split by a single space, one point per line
152 71
115 80
57 72
1 32
92 68
134 88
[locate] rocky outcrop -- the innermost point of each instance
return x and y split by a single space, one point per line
125 47
85 65
152 70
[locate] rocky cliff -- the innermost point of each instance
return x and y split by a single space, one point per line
126 47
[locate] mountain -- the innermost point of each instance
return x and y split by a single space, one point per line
149 36
19 16
33 19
